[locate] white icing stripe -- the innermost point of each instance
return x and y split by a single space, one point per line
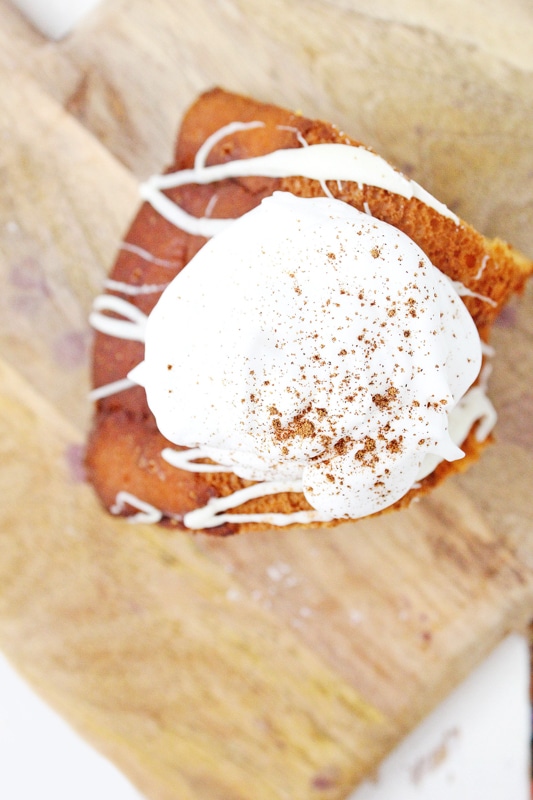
474 407
147 256
134 291
487 349
131 328
481 270
276 520
320 162
210 205
147 512
296 132
209 516
107 389
232 127
185 459
196 226
463 291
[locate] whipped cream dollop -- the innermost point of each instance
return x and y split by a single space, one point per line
312 344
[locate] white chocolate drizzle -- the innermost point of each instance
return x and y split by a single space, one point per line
108 389
473 407
463 291
233 127
481 270
134 291
210 206
211 515
147 512
132 327
196 226
187 460
487 349
147 256
321 162
303 141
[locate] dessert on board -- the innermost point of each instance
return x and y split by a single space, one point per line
293 333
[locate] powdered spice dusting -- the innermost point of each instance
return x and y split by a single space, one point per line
343 393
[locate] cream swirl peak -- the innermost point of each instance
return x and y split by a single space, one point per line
331 354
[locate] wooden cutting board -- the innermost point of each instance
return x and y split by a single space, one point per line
285 664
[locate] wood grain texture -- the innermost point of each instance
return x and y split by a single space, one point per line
290 662
143 646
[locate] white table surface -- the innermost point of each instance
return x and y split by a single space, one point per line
42 758
474 746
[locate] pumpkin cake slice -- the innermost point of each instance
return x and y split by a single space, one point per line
293 333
